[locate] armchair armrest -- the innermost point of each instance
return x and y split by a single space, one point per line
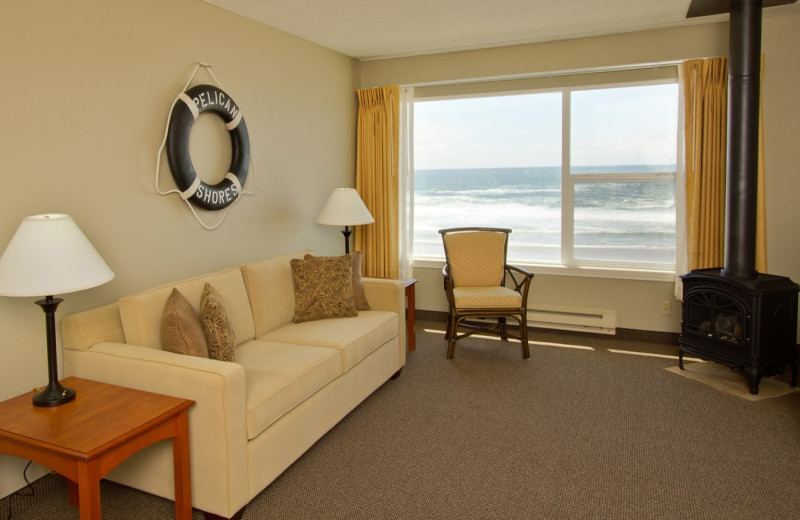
521 278
448 286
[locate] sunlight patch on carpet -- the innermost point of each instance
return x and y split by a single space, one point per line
560 345
512 340
732 382
648 354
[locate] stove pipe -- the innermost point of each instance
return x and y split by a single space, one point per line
744 78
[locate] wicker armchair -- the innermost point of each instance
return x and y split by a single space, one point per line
475 278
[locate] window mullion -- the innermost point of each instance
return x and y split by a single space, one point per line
623 177
567 185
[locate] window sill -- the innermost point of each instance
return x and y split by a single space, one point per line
588 272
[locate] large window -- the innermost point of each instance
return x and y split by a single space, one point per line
584 177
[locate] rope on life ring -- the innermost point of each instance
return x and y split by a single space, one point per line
186 108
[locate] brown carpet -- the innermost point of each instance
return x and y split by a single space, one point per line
571 433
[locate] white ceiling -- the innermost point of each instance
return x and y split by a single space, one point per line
369 29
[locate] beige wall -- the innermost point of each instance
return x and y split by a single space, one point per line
637 303
87 86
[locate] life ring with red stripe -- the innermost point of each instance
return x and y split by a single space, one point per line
187 108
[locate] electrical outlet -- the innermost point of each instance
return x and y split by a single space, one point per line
666 308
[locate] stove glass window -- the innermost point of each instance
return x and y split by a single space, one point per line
714 315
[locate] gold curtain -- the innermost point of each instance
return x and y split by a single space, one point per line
705 132
377 155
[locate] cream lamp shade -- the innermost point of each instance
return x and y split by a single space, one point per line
50 255
344 208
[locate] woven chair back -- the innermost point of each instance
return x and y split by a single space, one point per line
476 258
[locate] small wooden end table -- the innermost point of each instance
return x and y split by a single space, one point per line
85 439
410 313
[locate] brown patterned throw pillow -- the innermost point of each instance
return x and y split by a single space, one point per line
323 288
217 325
359 294
181 330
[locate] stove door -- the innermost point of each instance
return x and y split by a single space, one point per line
714 315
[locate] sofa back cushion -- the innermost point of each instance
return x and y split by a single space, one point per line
141 312
85 329
271 289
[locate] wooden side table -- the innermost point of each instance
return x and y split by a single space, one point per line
85 439
410 313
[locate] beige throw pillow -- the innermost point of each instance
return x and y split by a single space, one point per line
359 295
323 288
217 325
181 330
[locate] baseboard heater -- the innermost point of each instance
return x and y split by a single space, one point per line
598 321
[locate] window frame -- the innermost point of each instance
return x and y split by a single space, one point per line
569 265
569 180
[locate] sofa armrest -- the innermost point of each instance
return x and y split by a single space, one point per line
384 294
389 295
84 329
217 421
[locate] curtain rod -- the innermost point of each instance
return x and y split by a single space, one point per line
544 74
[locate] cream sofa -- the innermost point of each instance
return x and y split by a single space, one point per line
289 385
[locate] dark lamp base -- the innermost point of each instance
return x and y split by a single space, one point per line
54 395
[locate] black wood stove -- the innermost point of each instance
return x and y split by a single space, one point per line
748 323
734 315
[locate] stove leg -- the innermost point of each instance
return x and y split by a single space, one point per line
794 374
680 358
754 378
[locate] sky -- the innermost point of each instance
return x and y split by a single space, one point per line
612 126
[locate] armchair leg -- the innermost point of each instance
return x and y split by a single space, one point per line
501 322
452 334
526 352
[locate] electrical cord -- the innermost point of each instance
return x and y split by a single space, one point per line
27 491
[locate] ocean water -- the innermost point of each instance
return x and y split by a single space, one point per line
617 221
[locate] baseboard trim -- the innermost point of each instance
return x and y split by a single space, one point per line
648 336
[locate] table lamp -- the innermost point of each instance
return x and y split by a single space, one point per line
344 208
50 255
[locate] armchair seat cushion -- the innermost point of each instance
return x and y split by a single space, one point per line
483 297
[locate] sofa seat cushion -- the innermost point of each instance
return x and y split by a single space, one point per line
280 376
355 338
